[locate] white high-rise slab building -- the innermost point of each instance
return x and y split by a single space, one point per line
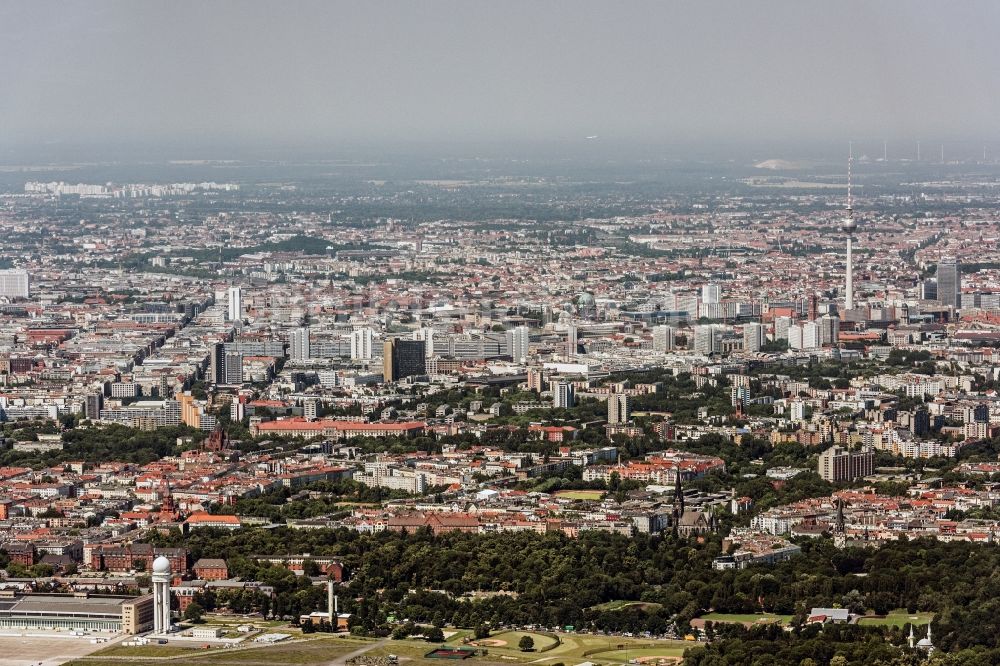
753 337
517 343
706 339
663 338
781 326
811 335
563 395
235 304
300 343
794 335
14 283
361 344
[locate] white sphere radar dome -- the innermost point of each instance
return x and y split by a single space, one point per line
161 565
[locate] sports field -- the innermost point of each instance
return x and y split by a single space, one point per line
761 618
898 618
620 604
510 639
643 655
580 494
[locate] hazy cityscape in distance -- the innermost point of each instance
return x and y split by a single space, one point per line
559 333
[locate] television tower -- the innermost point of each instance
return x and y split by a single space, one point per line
849 226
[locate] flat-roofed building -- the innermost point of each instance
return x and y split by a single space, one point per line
112 614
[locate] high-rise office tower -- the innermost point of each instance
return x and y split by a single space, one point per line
587 306
619 408
217 364
687 303
781 325
536 379
929 289
563 395
403 358
810 335
300 343
663 338
571 341
235 304
920 424
427 335
14 283
710 293
705 339
233 367
517 343
361 344
949 283
225 367
795 337
829 330
546 314
753 337
92 405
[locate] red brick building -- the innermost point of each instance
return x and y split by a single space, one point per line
132 557
22 553
327 566
439 523
211 569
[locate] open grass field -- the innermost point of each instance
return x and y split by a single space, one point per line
309 651
321 650
572 649
762 618
898 618
150 651
580 494
575 648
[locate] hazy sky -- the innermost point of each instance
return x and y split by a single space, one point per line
305 72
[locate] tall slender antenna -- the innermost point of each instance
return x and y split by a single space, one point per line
885 151
850 162
849 227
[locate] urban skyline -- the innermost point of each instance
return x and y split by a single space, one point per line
354 334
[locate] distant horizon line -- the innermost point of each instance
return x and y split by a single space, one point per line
225 149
